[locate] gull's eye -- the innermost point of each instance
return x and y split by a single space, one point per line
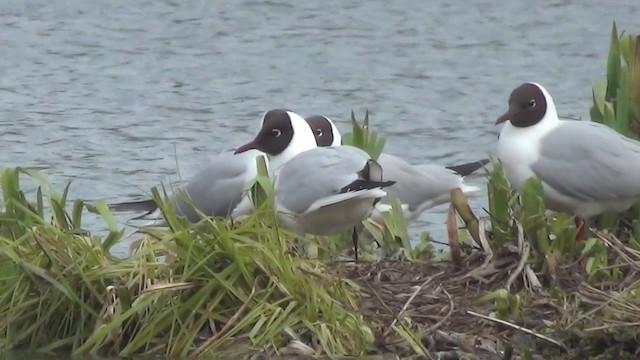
531 104
319 132
276 132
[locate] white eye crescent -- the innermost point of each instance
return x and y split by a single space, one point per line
532 103
276 132
319 132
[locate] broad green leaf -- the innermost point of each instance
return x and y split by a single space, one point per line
613 64
499 193
532 216
65 192
622 102
599 87
625 44
610 116
76 215
115 234
634 82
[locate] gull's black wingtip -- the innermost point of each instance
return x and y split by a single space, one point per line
468 168
140 205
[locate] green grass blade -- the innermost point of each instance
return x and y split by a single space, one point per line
622 102
599 90
634 82
40 203
613 64
115 234
76 215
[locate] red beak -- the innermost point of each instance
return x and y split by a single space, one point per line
504 117
246 147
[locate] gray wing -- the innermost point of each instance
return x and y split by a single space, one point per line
589 161
416 185
316 174
216 189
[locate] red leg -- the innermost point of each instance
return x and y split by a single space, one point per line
580 225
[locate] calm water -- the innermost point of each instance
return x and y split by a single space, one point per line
107 93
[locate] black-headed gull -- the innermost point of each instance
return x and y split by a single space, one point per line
418 187
318 190
586 168
217 190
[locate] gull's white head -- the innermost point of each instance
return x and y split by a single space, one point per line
529 104
324 130
283 135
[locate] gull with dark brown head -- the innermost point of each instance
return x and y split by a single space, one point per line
218 190
318 190
586 168
418 187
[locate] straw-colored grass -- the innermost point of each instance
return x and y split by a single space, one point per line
252 288
217 288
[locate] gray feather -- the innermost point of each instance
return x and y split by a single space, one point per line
416 185
317 173
589 161
215 190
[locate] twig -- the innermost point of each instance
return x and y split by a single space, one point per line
618 299
520 237
608 299
453 354
226 326
438 242
406 304
534 282
479 273
525 330
454 339
616 247
375 293
488 266
404 307
485 243
526 249
437 325
610 326
629 279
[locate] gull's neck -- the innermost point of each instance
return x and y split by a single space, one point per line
337 138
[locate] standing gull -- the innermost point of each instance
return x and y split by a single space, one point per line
319 190
586 168
418 188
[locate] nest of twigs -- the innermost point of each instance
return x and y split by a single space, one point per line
439 304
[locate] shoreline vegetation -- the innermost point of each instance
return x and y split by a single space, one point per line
515 284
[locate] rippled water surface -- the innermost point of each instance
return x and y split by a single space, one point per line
108 93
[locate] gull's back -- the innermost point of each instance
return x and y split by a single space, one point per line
590 162
218 188
316 174
417 185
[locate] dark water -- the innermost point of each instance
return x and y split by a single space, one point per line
106 93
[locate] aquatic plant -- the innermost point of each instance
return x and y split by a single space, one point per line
616 103
364 137
616 97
